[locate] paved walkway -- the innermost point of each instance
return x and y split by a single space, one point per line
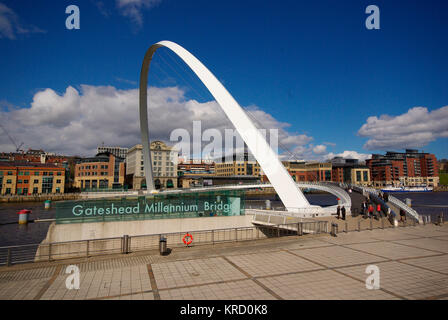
413 264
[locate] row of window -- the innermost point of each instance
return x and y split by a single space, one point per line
9 181
103 166
102 173
31 173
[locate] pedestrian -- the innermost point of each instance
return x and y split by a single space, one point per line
338 211
364 208
343 212
402 214
378 209
386 197
370 210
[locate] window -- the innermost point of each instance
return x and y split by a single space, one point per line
366 175
358 175
9 181
20 173
19 181
27 173
8 191
59 173
47 184
36 181
58 181
36 173
9 173
35 190
26 181
19 190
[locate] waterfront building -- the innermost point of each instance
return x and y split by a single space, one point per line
409 168
40 156
443 166
302 171
238 165
350 171
103 171
116 151
26 178
164 166
191 181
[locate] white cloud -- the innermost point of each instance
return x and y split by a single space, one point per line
320 149
76 121
413 129
347 154
133 9
10 24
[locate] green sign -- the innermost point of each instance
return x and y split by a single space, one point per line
182 205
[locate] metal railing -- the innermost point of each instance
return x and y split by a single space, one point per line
408 210
127 244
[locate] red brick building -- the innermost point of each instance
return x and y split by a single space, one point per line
409 168
104 171
26 178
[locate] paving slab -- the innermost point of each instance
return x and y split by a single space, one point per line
194 272
391 250
271 263
412 260
322 285
337 256
235 290
403 280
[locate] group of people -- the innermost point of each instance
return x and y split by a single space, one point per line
369 209
341 212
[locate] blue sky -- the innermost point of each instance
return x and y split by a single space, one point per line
311 64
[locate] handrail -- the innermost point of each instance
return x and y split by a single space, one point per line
410 211
47 252
400 204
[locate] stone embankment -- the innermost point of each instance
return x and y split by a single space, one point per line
40 197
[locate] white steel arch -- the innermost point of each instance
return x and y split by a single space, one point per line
279 177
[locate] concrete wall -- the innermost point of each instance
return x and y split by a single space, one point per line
98 230
55 245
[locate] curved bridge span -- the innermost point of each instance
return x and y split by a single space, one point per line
284 185
307 212
338 192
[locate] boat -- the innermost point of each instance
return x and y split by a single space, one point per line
407 189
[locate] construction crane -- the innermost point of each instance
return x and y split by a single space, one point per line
12 140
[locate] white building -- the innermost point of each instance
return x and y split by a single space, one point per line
164 165
116 151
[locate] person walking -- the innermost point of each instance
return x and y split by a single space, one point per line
343 212
364 208
338 212
378 210
370 210
402 214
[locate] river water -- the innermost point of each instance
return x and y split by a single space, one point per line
11 233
